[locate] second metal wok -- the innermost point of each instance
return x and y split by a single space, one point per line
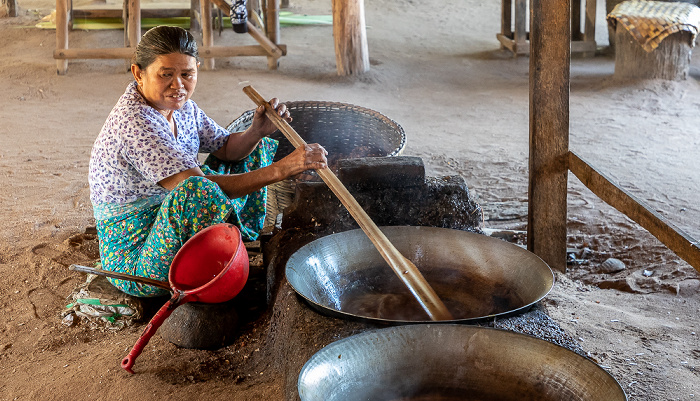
476 276
452 362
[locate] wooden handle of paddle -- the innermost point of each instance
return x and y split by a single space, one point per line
404 268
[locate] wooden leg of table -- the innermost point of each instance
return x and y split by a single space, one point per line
134 30
125 22
589 34
272 25
506 18
61 34
207 32
195 17
576 34
11 7
520 27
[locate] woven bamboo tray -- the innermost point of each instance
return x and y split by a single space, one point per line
346 131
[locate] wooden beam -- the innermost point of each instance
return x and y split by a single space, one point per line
686 247
510 44
127 52
118 13
350 36
235 51
99 53
550 59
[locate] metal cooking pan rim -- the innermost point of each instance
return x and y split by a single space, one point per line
391 336
326 310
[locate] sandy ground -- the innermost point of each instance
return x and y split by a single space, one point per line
437 70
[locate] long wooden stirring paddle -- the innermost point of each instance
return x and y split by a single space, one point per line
404 268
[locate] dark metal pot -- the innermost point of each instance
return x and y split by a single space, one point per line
452 362
476 276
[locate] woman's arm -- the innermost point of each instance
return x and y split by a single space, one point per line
240 144
311 156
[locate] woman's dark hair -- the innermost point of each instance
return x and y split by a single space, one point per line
163 40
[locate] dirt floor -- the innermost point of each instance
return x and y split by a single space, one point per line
436 68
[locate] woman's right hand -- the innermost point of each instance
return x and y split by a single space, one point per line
308 157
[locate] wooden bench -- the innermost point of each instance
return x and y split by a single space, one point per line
268 42
515 37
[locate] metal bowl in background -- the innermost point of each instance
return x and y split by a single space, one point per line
476 276
452 362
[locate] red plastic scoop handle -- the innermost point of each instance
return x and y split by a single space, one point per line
157 320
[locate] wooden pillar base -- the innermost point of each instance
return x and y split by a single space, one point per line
8 8
349 33
669 61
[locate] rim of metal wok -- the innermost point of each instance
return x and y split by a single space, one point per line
390 231
401 359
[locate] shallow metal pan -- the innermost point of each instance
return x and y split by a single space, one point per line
476 276
452 362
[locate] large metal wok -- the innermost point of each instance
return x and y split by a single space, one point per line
452 362
476 276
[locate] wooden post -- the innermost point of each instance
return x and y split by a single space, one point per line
506 18
195 17
349 33
61 34
520 28
576 33
272 26
550 59
8 8
207 33
589 26
125 21
134 23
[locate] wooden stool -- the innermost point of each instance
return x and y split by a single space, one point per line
653 40
670 60
514 35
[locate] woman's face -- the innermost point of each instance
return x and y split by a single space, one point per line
168 82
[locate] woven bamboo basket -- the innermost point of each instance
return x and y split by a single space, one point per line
346 131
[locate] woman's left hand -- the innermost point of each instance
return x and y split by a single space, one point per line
262 125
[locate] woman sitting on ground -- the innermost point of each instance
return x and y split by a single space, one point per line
149 192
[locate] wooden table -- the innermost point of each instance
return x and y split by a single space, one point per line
268 42
515 37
